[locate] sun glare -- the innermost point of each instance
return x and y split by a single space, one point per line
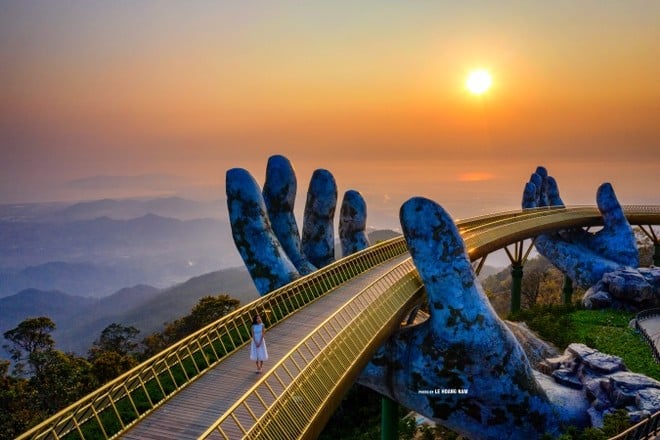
479 81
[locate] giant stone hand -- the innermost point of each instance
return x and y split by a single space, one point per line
585 257
463 367
605 262
265 231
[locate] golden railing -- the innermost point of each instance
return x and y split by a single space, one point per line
298 394
119 404
483 236
647 429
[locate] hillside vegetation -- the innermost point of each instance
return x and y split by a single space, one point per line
79 320
605 330
42 380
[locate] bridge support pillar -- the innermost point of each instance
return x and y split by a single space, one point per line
389 419
656 254
516 286
518 258
567 291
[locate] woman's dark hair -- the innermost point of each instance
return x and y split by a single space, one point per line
254 319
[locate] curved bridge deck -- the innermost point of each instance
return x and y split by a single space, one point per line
189 413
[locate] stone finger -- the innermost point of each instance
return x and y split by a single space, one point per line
262 253
318 223
279 196
353 223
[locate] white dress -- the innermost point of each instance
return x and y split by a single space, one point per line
258 353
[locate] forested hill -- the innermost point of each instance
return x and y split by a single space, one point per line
80 320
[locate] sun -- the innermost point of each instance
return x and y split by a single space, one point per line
479 81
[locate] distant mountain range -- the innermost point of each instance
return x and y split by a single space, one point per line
80 320
173 207
96 248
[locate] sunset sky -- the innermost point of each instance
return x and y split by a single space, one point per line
169 95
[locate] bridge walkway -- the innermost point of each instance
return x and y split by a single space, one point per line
648 323
191 411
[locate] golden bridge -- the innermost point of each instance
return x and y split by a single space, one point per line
322 330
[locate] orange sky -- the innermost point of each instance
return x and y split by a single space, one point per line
372 91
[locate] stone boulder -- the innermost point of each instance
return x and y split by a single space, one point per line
626 289
605 381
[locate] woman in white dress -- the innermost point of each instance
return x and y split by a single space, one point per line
258 351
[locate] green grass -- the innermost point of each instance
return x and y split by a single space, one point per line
605 330
608 331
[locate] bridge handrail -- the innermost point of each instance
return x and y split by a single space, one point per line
648 428
491 236
292 394
647 314
636 214
148 385
467 224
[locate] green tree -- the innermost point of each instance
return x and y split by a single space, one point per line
45 380
209 309
116 338
616 422
29 338
541 284
108 364
62 379
15 412
114 352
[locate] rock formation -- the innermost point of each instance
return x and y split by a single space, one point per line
626 289
605 382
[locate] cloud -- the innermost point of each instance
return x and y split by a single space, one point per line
475 176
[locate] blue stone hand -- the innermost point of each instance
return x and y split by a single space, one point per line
265 230
463 367
584 256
